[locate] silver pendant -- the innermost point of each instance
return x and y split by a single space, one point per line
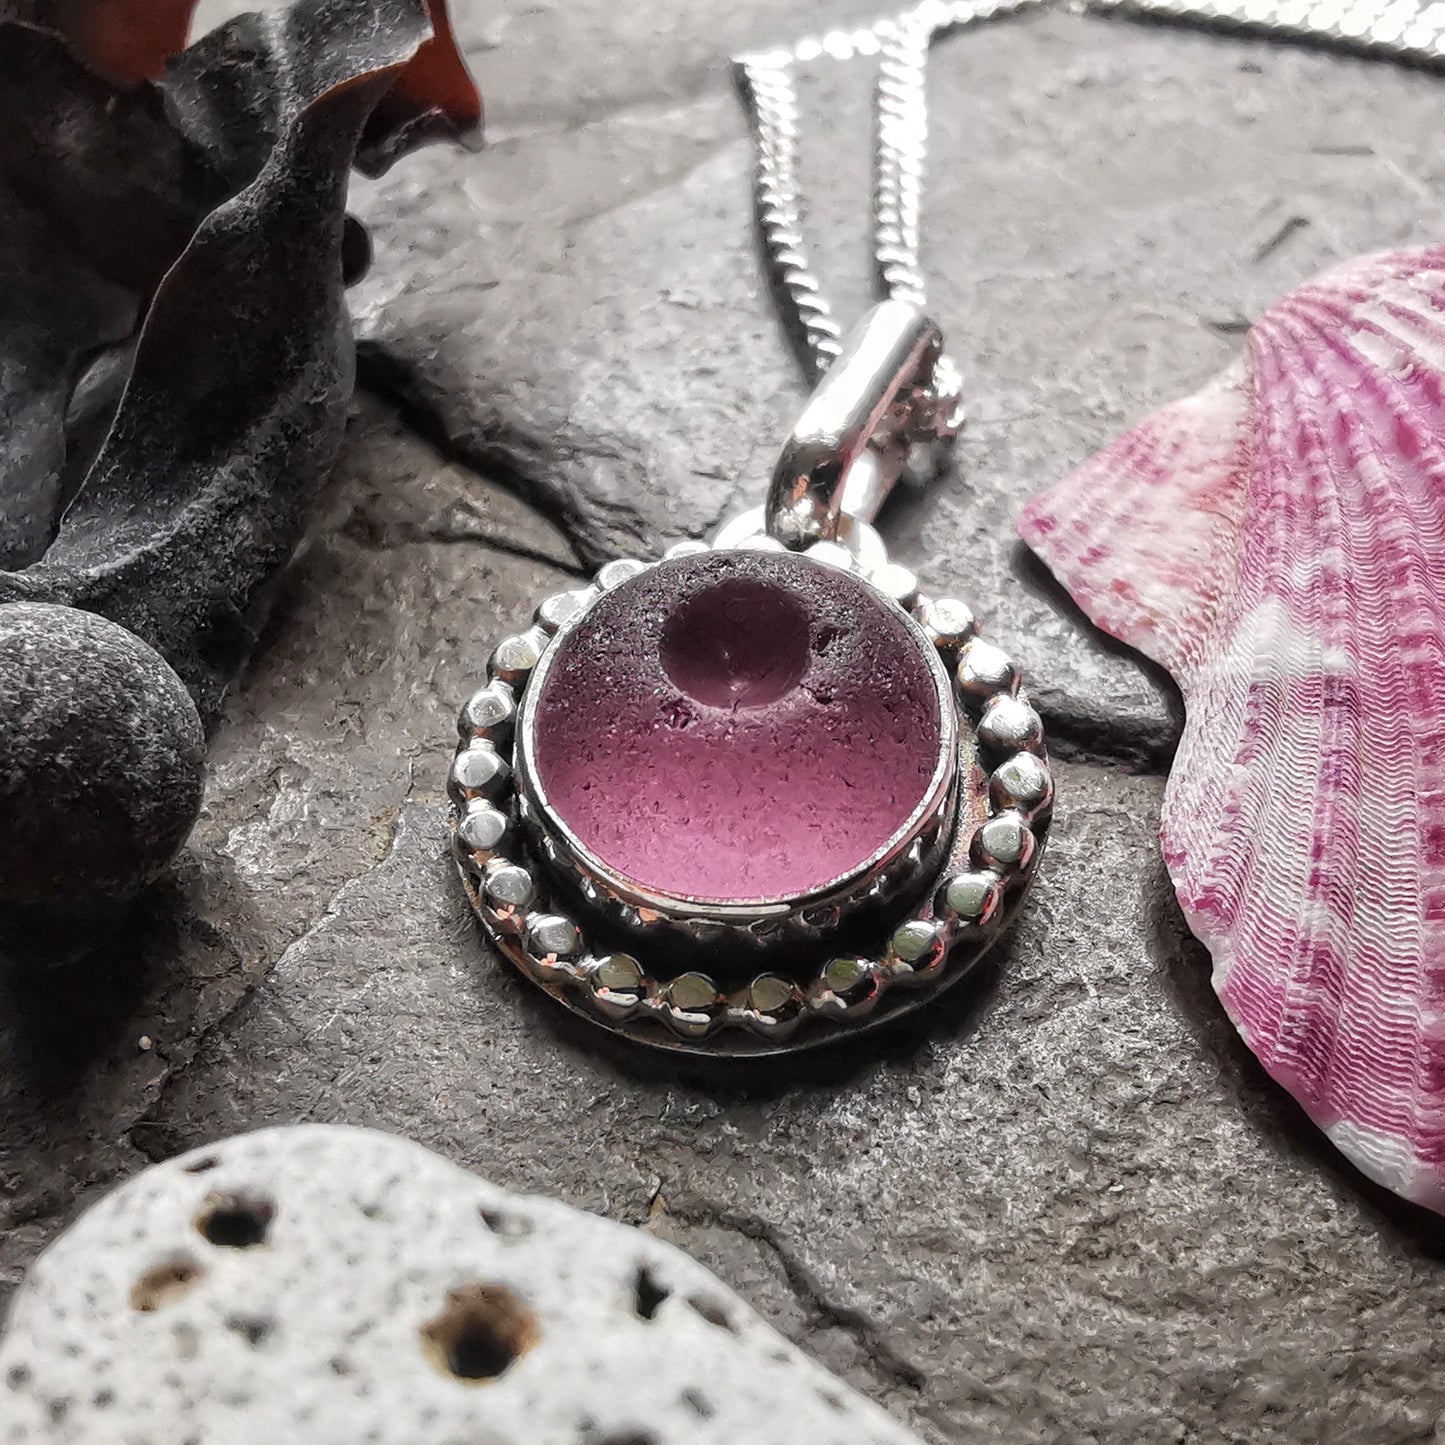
760 795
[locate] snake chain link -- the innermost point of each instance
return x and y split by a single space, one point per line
1406 30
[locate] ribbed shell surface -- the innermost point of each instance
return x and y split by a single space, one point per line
1277 543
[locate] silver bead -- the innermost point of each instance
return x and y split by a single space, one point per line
1010 725
1023 782
693 1005
1004 842
514 657
761 542
482 830
618 985
864 544
896 582
774 1006
488 713
918 950
984 670
550 936
478 771
472 864
821 917
615 573
831 554
847 988
796 526
948 622
974 899
687 548
561 607
508 890
736 531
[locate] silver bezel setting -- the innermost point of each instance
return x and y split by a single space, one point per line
919 843
969 853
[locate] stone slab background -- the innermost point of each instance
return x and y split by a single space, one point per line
1071 1208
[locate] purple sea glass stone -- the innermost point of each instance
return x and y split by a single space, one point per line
738 727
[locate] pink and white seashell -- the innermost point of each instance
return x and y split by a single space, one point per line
1277 543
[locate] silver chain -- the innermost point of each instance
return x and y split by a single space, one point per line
901 46
1411 30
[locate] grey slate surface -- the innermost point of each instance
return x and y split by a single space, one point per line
1073 1209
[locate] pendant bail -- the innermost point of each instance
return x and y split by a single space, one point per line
872 406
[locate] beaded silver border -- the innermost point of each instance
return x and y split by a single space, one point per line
1005 799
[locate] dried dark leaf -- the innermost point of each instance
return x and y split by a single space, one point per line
54 313
124 40
434 98
99 193
236 403
107 168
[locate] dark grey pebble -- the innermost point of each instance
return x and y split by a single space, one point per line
102 759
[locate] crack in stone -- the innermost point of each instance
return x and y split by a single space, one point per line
523 553
1135 745
148 1135
807 1288
691 87
445 534
597 528
145 1135
580 220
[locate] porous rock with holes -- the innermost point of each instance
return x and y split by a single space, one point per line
327 1284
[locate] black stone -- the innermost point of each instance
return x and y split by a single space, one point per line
176 365
102 759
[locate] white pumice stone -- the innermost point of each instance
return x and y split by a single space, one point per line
320 1285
